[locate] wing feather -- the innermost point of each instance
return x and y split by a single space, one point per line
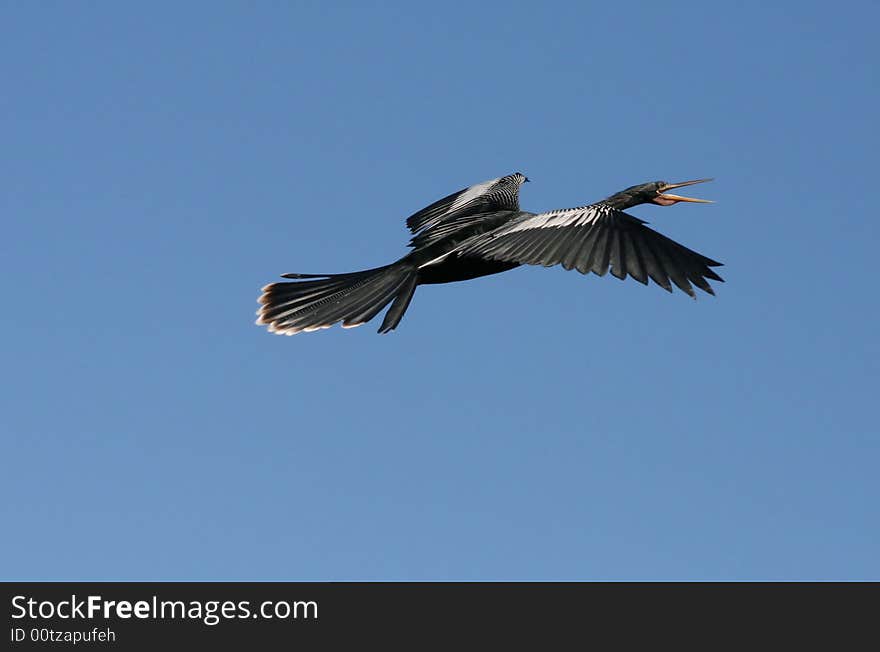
595 239
598 260
583 258
618 265
501 194
635 264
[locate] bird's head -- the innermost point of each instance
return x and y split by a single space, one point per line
654 192
517 177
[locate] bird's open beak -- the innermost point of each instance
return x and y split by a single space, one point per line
675 198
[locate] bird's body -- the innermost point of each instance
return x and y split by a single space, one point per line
481 230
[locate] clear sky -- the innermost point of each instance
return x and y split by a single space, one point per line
163 161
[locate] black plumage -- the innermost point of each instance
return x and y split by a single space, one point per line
479 231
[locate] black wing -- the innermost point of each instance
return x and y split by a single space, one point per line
462 228
494 195
594 239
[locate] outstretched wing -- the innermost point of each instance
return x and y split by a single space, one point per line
594 239
494 195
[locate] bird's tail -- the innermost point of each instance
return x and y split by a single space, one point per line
316 301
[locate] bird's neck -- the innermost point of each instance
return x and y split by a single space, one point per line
623 200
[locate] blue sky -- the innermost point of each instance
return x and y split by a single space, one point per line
162 162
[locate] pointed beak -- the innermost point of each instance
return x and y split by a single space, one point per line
676 198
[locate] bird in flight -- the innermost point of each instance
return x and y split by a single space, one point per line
481 230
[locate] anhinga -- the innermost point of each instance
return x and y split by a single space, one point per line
481 230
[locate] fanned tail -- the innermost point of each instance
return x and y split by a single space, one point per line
316 301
